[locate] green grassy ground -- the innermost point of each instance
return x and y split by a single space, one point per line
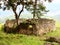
57 24
19 39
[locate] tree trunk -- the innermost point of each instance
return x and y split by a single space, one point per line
16 16
34 9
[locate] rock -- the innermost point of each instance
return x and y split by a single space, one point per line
29 26
53 39
48 43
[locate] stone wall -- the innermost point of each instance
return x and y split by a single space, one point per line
30 26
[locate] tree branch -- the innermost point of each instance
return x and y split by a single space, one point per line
21 11
14 10
34 8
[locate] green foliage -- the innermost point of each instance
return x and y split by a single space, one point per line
37 9
48 0
12 1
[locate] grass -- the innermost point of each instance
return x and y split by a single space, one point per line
20 39
57 24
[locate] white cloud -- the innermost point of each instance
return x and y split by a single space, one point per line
53 2
53 13
56 1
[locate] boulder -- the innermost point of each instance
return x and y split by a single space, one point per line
48 43
29 26
53 39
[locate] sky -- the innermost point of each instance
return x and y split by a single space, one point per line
53 7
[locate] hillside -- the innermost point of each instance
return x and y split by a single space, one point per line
56 17
57 24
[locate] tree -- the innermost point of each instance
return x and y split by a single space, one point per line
37 8
13 5
25 3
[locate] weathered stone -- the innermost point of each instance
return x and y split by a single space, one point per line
53 39
29 26
48 43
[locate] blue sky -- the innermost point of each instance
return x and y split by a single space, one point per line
54 8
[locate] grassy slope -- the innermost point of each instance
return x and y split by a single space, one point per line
19 39
57 24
